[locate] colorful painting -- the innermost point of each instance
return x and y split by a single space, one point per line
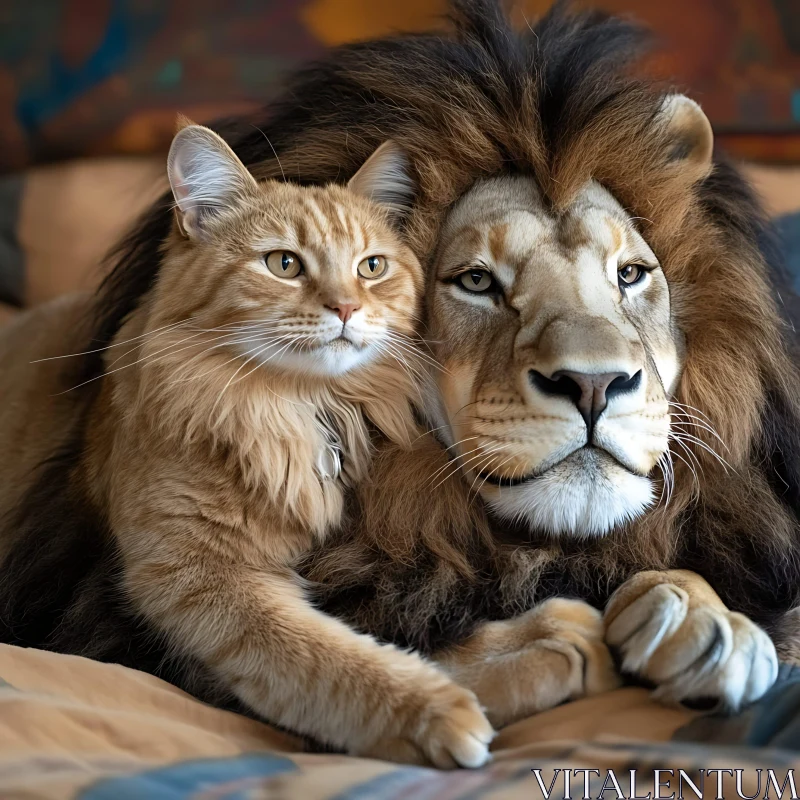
107 76
740 59
100 76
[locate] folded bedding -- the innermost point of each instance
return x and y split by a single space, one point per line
75 728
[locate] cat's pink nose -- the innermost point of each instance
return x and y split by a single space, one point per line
343 310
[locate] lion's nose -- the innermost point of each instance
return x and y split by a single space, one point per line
590 391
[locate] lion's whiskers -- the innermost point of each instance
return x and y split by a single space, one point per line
692 461
486 462
667 468
485 477
455 465
687 418
461 464
683 437
454 461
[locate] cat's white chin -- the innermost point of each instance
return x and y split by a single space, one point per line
327 360
337 358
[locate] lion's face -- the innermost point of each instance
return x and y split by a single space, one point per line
559 355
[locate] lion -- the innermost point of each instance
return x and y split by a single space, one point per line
612 413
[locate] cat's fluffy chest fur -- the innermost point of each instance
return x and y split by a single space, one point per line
263 451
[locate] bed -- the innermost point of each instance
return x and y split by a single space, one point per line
74 728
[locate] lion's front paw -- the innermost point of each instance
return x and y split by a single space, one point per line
446 728
535 661
576 629
691 651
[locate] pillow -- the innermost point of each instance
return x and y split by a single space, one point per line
57 222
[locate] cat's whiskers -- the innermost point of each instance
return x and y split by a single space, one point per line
411 355
413 372
157 332
259 339
231 329
226 340
411 345
137 346
253 356
153 358
294 343
240 368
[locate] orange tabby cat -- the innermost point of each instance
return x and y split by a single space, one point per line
223 441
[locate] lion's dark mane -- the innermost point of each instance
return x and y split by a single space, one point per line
482 100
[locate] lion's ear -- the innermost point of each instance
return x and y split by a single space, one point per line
385 178
689 135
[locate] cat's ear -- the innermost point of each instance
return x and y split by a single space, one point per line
385 178
206 177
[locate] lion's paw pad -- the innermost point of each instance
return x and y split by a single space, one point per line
693 652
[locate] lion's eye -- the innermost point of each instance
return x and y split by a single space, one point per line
476 280
630 274
284 264
372 267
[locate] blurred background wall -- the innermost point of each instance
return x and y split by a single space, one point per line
89 90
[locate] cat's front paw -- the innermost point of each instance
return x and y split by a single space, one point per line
690 649
446 727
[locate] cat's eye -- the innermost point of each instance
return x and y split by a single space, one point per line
284 264
630 274
476 280
372 267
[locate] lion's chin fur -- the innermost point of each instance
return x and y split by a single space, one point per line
586 494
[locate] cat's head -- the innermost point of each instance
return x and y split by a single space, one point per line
309 280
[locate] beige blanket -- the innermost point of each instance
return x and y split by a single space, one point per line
74 728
